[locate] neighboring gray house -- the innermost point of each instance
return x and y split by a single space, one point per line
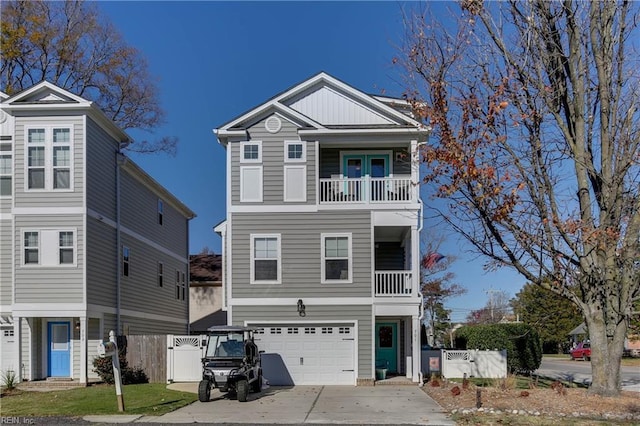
321 240
89 241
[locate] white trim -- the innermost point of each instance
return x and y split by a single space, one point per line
11 154
308 301
44 250
252 279
275 119
303 181
302 159
48 166
258 184
310 133
323 272
29 211
365 154
48 309
243 144
102 218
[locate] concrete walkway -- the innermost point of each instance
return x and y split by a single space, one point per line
306 404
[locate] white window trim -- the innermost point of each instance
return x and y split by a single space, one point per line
10 153
48 157
323 272
302 159
243 199
252 258
251 160
304 184
56 246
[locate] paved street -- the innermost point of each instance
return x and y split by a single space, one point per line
580 372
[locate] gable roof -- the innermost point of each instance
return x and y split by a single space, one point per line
46 95
307 103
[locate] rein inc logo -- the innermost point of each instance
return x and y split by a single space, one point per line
6 420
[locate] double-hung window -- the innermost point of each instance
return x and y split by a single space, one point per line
125 261
265 259
160 274
336 258
49 158
49 247
251 172
6 170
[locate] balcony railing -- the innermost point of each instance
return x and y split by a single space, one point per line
393 283
339 190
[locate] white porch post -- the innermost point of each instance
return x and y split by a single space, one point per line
17 333
416 349
83 351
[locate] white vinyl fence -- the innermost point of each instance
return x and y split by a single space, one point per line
184 358
474 363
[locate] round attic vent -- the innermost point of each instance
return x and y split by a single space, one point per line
3 116
273 124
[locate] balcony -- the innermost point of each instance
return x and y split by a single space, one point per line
394 284
367 190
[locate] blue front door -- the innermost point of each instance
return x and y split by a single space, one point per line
386 346
59 349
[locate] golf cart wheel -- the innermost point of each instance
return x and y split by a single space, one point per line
242 389
257 385
204 391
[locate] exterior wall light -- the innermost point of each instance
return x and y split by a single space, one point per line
301 308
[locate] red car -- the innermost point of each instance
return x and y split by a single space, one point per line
583 351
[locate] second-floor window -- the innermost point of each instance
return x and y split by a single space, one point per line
160 274
294 151
251 152
180 285
265 259
125 261
49 247
6 170
49 165
336 258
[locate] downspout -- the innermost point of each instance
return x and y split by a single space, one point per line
420 225
121 159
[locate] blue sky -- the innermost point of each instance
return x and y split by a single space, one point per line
216 60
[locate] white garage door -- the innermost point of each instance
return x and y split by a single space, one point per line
7 350
308 354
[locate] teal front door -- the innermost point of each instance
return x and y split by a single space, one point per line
357 166
59 349
387 346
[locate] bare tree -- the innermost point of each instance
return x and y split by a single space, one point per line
534 107
71 45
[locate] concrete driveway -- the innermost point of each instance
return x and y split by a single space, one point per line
312 404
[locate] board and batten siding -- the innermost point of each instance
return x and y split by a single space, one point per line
42 198
317 314
139 213
140 291
273 164
300 238
102 263
101 174
49 284
6 260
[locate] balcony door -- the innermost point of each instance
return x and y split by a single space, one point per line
357 166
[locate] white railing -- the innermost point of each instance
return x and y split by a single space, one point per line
366 190
393 283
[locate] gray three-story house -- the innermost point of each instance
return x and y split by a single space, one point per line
321 240
89 241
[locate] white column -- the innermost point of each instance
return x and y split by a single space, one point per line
17 335
83 351
415 334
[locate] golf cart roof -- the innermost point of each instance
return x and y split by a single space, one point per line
230 328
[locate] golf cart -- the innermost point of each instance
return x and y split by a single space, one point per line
231 363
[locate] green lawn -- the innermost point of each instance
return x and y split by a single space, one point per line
146 399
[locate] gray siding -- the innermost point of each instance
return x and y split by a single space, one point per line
273 164
101 175
143 326
102 259
318 314
42 284
140 290
6 280
49 198
139 213
301 253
